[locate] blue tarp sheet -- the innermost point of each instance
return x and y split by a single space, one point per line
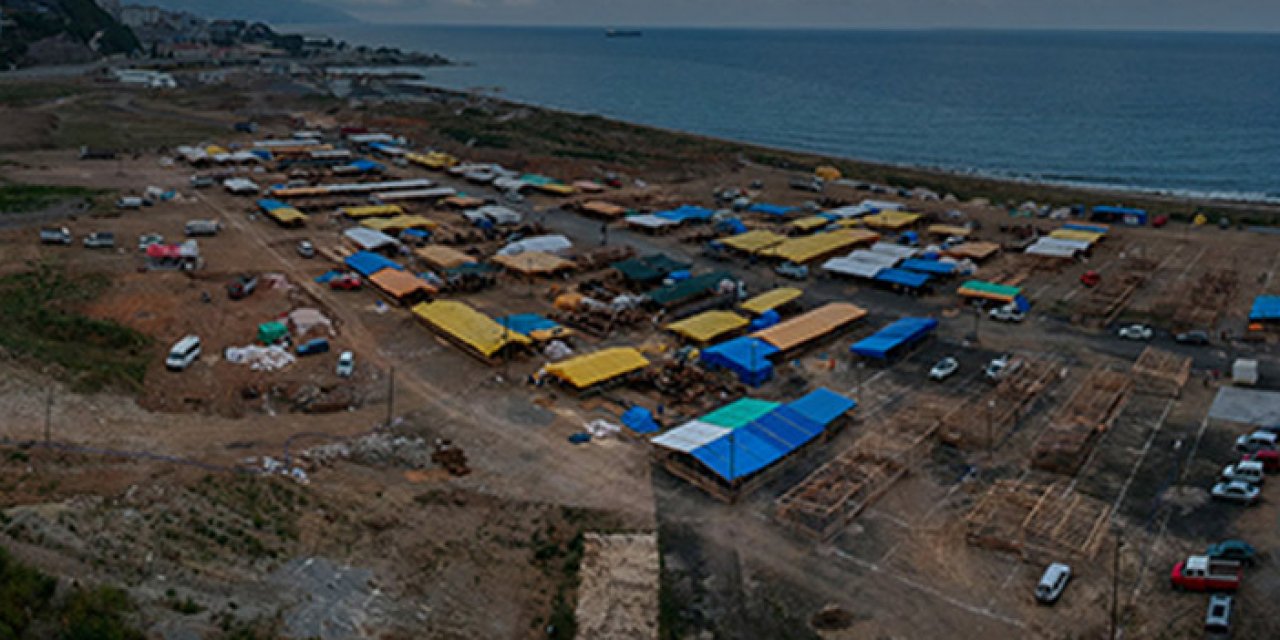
770 209
822 406
526 323
764 321
1124 214
929 266
745 356
1020 301
271 205
897 334
1265 308
416 233
910 279
367 264
686 213
734 226
640 420
367 165
762 442
1082 226
262 153
325 278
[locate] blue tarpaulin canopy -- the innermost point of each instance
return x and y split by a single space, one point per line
762 442
745 356
1084 226
898 334
640 420
686 213
929 266
527 323
1020 301
367 264
366 166
770 209
909 279
764 321
1124 214
733 225
267 204
822 406
1265 308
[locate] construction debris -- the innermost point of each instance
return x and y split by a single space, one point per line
451 458
1078 424
1037 522
259 358
618 595
376 449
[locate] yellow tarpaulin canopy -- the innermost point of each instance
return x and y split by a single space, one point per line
287 216
214 150
811 325
400 223
811 223
434 160
973 250
828 173
771 300
400 284
555 189
462 202
948 230
592 369
1079 236
533 262
808 248
891 220
708 325
299 192
602 208
752 241
442 257
374 211
467 326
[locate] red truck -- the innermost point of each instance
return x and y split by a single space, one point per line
1201 573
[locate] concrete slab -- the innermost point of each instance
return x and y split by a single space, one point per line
1246 406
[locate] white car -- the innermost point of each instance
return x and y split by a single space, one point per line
995 368
1052 583
1136 332
1007 313
945 368
183 353
1245 471
1236 491
346 364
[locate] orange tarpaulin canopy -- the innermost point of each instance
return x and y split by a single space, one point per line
400 284
808 326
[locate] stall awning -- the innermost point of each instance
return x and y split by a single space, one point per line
897 334
400 284
376 211
989 291
811 325
771 300
891 220
468 326
534 263
807 248
739 413
752 241
442 257
594 368
708 325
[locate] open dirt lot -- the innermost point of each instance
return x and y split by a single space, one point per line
372 543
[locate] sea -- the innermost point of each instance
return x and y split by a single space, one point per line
1194 114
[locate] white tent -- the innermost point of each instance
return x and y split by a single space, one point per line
650 221
434 193
555 244
852 267
898 251
690 436
496 214
368 239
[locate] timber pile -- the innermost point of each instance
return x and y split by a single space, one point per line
1037 521
1161 373
1073 431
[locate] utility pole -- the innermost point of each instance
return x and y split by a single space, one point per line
991 440
391 395
1115 581
48 416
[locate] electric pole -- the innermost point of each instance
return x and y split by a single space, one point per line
391 395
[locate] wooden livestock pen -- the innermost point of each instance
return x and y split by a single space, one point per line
1037 521
1161 373
1078 424
983 420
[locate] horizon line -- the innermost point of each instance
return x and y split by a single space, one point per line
814 27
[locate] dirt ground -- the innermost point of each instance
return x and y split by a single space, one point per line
493 553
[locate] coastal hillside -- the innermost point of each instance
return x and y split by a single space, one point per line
275 12
39 32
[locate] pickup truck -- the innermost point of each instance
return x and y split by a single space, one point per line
55 236
1201 573
242 287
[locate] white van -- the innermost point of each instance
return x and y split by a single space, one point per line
203 227
1052 583
183 353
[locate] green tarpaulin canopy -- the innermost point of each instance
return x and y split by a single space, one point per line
271 332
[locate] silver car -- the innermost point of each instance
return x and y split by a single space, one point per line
945 368
1053 583
1217 620
1236 491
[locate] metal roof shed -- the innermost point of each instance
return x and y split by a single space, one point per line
747 357
1265 308
893 337
822 406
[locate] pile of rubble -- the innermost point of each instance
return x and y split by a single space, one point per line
260 358
376 449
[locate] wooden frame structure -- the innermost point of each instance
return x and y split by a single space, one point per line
833 495
977 423
1111 297
1202 306
1161 373
1075 428
1035 521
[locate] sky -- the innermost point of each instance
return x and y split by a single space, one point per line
1188 15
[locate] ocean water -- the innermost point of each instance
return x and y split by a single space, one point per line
1180 113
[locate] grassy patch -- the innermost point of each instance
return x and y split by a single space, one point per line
23 198
42 325
21 94
30 608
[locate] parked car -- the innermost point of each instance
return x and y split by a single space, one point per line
1196 337
792 270
1250 472
807 184
1256 441
346 364
242 287
183 353
147 239
944 369
306 249
995 369
1136 332
1237 550
346 282
1270 459
1236 491
202 227
313 347
202 182
1202 573
130 202
100 240
60 235
1217 620
1007 313
1052 583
